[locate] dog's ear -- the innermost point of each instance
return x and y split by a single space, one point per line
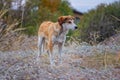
71 17
62 19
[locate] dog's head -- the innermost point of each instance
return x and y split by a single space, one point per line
67 22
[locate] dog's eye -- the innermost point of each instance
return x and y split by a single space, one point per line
69 22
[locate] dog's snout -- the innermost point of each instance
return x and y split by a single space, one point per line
76 27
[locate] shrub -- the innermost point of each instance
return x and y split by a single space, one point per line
100 23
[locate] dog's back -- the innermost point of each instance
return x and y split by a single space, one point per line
48 28
44 29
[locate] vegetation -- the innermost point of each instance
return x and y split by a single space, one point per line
32 12
99 61
100 23
95 26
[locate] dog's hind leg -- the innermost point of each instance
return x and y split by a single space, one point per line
40 42
43 45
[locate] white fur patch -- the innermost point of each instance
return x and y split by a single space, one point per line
68 26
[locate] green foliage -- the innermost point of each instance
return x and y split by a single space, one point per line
99 24
31 30
34 12
64 8
46 11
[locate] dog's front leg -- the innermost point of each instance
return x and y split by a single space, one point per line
60 46
50 51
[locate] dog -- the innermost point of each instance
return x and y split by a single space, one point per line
51 33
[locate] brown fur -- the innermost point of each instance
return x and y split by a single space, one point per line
47 30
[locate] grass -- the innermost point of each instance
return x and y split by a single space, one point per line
98 61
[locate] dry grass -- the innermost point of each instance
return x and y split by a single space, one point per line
9 32
98 61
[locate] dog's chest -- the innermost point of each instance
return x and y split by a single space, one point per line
59 39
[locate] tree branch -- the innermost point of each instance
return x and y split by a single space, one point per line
115 18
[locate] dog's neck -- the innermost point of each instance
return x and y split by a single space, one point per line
63 30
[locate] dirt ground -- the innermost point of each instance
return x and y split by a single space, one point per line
24 66
77 63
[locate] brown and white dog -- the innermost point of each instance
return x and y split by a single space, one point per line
51 33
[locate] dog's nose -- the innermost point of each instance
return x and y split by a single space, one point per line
76 27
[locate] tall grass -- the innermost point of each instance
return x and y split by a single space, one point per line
8 31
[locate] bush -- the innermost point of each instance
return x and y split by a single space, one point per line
101 23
